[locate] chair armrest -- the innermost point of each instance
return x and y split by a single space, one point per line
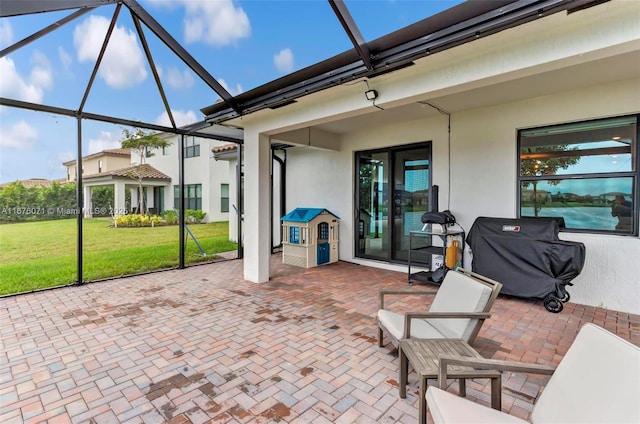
412 315
405 292
489 364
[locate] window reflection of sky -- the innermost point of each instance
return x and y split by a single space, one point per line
593 186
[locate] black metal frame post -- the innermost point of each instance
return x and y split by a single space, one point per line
181 221
239 191
79 205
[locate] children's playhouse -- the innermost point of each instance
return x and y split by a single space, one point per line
309 237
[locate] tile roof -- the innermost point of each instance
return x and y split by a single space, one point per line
107 152
226 148
146 171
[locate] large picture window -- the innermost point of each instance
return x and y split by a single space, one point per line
192 196
191 147
224 197
586 173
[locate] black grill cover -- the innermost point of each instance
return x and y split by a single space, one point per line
524 254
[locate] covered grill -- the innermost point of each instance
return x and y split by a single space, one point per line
527 257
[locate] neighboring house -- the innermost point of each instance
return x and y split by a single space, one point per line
460 118
98 163
153 185
206 180
229 153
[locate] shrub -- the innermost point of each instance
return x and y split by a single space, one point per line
194 216
137 220
171 217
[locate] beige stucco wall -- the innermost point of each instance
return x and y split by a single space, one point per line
109 163
201 169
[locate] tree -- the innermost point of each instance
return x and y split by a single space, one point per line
143 144
545 160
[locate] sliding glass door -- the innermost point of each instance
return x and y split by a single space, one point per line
373 211
391 195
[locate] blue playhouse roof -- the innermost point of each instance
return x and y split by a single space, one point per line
305 214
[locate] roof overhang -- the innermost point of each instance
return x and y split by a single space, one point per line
458 25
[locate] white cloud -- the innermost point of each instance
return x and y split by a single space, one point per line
284 60
181 117
31 89
177 79
41 71
19 136
106 141
55 165
63 157
232 90
6 34
123 64
65 59
218 23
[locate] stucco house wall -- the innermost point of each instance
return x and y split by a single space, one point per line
483 178
91 164
511 80
202 169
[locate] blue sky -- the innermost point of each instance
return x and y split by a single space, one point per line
243 44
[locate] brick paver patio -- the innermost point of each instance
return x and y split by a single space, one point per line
203 345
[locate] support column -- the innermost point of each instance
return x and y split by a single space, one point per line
87 202
257 195
119 195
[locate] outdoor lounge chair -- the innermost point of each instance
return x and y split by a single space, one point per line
459 308
597 381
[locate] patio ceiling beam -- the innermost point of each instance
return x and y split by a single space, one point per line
119 121
350 27
180 51
27 7
420 44
44 31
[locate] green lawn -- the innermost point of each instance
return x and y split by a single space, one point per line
37 255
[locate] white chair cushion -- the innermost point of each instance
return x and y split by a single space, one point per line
458 293
420 328
446 407
598 380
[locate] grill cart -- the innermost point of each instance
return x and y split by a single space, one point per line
527 257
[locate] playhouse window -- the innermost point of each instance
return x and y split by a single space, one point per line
323 231
294 235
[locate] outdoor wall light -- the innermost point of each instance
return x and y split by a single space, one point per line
371 94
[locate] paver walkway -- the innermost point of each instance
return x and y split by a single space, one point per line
203 345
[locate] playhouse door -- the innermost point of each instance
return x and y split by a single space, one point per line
323 253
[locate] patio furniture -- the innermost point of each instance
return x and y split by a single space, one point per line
459 308
424 356
598 380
